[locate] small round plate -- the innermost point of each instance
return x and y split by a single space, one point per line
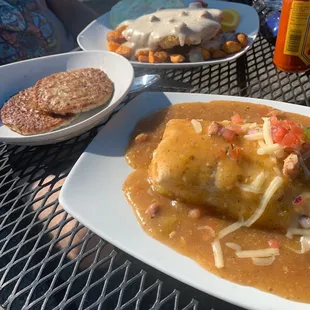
24 74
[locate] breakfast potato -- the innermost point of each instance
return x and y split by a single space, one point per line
177 58
242 39
171 42
124 51
161 56
158 57
115 36
216 54
205 54
211 50
142 53
113 46
121 28
143 58
231 47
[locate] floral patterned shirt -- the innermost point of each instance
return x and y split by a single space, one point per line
29 29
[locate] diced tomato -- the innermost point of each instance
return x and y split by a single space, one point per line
278 133
297 131
235 153
274 120
236 128
290 140
236 118
287 133
273 243
228 134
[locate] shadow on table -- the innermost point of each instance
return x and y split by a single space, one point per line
116 135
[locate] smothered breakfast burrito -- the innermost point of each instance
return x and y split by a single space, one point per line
227 184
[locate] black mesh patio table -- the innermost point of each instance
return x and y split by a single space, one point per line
50 261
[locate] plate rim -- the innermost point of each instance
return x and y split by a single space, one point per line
233 286
181 65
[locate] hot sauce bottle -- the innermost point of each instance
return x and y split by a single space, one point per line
292 51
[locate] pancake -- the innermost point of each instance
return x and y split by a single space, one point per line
18 114
73 91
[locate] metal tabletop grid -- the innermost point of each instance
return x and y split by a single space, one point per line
50 261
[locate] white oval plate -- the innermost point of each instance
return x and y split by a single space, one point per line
96 182
24 74
93 37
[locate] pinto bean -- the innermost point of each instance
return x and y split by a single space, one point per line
153 209
195 214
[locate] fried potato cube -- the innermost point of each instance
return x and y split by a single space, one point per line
121 28
205 54
113 46
231 47
172 41
158 57
218 54
124 51
177 58
115 36
151 57
211 50
142 53
242 39
143 58
161 56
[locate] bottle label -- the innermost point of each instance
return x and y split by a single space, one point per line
297 42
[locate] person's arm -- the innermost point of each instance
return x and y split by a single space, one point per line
72 13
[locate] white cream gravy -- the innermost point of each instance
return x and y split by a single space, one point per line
196 24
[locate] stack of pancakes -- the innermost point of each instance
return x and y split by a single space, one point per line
56 100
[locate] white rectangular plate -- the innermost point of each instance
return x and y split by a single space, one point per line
93 194
93 37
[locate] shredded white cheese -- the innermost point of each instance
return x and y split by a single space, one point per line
229 229
277 170
253 125
258 253
197 126
293 225
216 245
272 188
298 231
233 246
279 153
206 227
218 253
261 143
254 136
249 188
245 127
263 261
269 149
256 185
267 131
304 245
259 180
